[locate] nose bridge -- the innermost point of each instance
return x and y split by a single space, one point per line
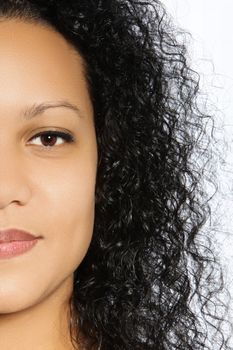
13 179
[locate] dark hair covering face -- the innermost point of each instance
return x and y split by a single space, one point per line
147 263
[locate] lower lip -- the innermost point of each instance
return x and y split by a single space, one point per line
11 249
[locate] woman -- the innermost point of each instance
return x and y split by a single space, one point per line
98 131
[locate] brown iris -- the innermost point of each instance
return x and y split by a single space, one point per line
48 140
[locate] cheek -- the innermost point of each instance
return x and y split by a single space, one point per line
72 199
67 192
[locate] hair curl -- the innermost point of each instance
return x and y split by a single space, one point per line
147 264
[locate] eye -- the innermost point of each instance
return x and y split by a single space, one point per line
49 138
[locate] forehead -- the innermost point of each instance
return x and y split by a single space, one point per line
36 60
34 43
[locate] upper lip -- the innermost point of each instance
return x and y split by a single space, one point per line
15 235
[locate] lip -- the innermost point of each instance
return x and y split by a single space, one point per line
14 242
15 235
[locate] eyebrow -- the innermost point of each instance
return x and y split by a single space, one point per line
37 109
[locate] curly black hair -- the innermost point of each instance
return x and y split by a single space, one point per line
150 279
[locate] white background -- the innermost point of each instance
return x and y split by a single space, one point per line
210 22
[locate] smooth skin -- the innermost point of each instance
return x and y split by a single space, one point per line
48 190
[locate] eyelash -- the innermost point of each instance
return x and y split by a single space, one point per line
68 138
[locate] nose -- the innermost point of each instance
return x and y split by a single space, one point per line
14 186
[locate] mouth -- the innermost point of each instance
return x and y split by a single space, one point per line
14 242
